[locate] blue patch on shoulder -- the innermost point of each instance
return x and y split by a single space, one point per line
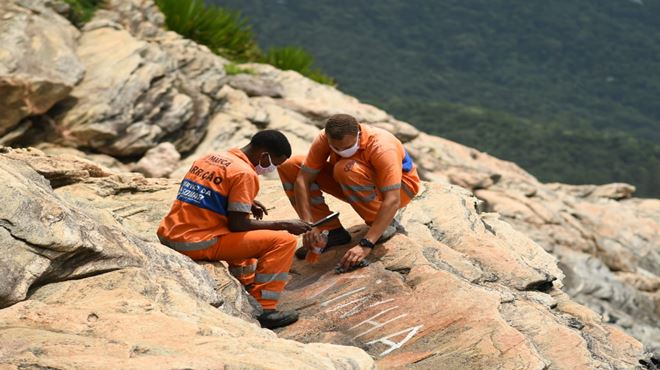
203 197
407 163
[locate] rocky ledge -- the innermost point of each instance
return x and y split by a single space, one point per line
491 269
455 288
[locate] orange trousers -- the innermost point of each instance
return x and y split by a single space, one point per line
355 186
259 259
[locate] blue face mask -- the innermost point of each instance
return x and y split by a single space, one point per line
261 170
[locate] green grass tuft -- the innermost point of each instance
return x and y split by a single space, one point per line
221 30
234 69
227 34
296 59
82 10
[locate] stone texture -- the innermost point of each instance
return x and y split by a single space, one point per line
254 86
457 290
131 97
158 161
154 87
38 63
83 291
144 85
623 235
132 319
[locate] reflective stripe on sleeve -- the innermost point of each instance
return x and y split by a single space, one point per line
187 246
239 207
408 191
391 187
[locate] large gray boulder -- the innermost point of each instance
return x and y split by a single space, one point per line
144 85
38 63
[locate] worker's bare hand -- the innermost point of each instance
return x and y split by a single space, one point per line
296 227
310 237
258 210
353 256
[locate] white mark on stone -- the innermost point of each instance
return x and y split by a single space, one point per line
381 302
324 289
378 325
392 345
374 316
355 277
339 307
342 296
352 312
378 281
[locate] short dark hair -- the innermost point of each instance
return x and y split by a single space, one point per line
273 141
340 125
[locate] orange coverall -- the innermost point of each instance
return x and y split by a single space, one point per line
380 164
197 225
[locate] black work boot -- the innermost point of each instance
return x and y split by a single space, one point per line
271 319
338 236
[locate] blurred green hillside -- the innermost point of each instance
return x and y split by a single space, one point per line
570 90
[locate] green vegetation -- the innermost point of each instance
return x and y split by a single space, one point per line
82 10
576 154
234 69
581 73
296 59
221 30
227 34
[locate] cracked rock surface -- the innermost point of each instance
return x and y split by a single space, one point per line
494 270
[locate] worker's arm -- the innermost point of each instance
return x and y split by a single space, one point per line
301 192
241 201
387 211
239 221
303 206
316 158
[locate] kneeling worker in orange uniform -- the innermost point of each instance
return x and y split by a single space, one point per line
210 221
363 165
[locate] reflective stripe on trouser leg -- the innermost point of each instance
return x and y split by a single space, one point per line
274 253
362 194
324 183
356 181
273 272
244 271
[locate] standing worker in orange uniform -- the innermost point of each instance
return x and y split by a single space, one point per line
365 166
210 221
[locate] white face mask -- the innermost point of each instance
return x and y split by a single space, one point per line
264 170
346 153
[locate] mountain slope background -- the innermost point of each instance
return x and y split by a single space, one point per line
568 90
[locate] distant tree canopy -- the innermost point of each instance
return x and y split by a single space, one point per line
577 80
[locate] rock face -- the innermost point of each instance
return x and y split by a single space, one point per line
115 297
38 63
491 271
159 161
162 87
459 288
593 230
